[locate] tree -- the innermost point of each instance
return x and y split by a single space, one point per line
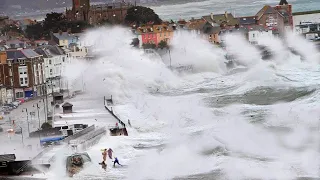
52 23
52 19
135 42
163 44
46 125
11 28
34 31
141 15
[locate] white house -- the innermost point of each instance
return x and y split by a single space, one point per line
255 34
54 58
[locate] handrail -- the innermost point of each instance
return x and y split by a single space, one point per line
89 136
78 134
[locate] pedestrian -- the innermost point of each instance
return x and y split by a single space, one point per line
104 156
116 161
110 151
129 123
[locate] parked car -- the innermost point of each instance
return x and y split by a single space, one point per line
16 103
6 108
18 131
11 105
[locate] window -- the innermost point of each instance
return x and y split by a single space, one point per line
26 81
51 72
63 59
253 35
50 61
19 94
21 81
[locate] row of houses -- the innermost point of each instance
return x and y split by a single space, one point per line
27 73
30 69
268 21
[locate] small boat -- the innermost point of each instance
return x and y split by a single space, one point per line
75 163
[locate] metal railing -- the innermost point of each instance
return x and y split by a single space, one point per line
89 136
78 134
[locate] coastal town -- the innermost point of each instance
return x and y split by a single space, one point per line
38 99
32 60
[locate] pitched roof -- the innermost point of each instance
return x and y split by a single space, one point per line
196 24
66 35
49 51
154 29
43 52
247 20
15 55
265 10
243 30
29 53
211 29
67 104
15 41
221 18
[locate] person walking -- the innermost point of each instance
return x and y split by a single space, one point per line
104 156
110 151
116 161
129 123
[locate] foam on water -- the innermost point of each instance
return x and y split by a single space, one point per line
170 133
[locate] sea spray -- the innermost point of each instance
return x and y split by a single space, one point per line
245 54
183 122
306 49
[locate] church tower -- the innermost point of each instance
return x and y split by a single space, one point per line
285 9
81 8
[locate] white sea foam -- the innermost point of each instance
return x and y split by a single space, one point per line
172 110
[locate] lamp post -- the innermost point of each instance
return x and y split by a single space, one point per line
27 119
38 113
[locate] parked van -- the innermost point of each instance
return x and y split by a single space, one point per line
68 130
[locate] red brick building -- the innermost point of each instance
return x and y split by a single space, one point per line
22 72
95 14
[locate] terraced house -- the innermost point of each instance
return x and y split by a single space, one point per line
22 74
154 34
54 60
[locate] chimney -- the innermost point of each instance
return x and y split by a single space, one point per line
60 32
69 30
226 15
211 15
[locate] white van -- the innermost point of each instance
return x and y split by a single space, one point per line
71 129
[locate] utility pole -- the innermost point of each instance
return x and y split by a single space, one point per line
44 109
21 135
38 114
27 120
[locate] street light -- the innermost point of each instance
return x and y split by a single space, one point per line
27 119
38 113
